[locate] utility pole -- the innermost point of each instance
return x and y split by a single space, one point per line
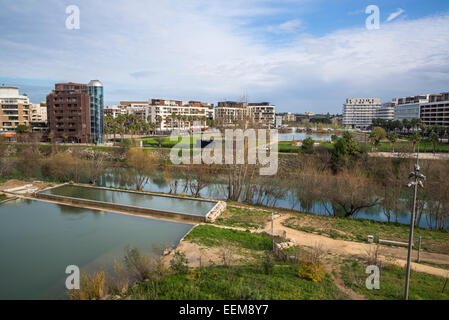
272 227
417 181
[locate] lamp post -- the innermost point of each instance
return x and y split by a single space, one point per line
417 180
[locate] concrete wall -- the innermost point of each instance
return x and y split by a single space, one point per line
131 209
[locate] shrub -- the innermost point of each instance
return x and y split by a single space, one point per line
90 287
179 263
267 263
313 271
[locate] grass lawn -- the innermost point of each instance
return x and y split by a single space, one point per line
244 218
242 282
407 146
392 279
358 230
286 146
211 236
167 143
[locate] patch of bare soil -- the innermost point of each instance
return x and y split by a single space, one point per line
316 224
198 255
332 268
14 183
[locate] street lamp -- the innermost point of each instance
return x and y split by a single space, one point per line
417 180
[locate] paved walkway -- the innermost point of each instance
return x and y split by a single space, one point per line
427 156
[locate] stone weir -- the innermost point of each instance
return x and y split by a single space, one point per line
210 216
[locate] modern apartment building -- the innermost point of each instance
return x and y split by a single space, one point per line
386 111
360 112
14 109
38 113
114 111
176 114
432 109
228 112
288 117
68 113
262 113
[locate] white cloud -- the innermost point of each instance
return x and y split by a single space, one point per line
185 50
286 27
395 14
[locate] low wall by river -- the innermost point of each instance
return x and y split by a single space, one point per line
179 216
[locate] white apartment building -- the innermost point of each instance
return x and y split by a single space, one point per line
175 114
14 109
386 111
38 113
114 111
360 112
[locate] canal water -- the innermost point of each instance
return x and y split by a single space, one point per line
38 240
294 135
187 206
119 177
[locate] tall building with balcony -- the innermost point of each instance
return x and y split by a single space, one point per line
14 109
75 112
386 111
262 113
360 112
38 113
68 113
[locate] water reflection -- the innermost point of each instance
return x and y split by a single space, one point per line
119 177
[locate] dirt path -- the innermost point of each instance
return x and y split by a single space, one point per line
357 249
336 276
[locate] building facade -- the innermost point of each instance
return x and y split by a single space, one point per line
14 109
360 112
175 114
38 113
386 111
229 112
432 109
68 113
95 90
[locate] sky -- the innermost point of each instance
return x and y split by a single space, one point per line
300 55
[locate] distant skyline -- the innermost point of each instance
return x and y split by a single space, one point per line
300 55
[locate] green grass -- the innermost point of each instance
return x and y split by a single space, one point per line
167 143
286 146
358 230
392 278
407 146
245 218
3 197
211 236
240 283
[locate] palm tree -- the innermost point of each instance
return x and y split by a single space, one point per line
392 137
434 139
416 138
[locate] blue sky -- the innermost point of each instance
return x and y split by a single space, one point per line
301 55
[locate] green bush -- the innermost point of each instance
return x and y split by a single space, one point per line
267 263
179 263
313 271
